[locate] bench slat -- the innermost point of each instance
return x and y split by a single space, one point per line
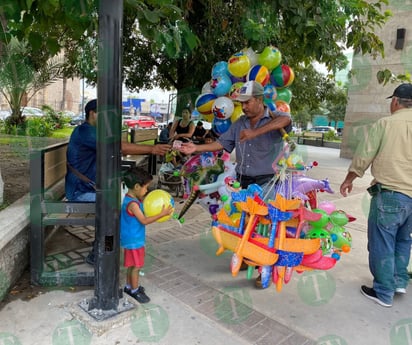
68 207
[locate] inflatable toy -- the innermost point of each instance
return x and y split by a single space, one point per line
270 57
259 73
223 108
239 64
284 94
282 76
204 103
220 85
220 68
220 126
155 201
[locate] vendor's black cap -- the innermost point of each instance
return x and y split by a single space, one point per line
403 91
91 105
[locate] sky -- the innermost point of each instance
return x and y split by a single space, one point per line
158 95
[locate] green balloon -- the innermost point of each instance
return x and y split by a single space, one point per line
284 94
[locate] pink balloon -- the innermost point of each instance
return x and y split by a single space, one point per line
327 206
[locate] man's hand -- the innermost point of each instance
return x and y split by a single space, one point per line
187 148
161 149
347 184
247 134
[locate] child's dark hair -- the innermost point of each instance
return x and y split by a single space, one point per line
134 176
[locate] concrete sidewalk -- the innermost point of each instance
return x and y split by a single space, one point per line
195 299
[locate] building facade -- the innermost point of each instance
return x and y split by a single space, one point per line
367 99
52 95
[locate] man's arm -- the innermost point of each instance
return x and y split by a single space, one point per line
140 149
189 148
278 122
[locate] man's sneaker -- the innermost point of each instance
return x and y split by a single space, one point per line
401 291
139 295
371 294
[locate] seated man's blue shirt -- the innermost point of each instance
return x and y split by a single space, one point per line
81 155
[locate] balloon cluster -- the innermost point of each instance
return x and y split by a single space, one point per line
216 102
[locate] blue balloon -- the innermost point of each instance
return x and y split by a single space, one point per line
220 126
220 85
220 68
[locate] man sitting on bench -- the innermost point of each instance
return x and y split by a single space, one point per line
81 159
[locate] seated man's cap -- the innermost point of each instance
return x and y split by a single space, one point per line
91 105
403 91
248 90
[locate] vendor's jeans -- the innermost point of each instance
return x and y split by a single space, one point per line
85 197
389 242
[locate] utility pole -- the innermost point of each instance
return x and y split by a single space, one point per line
109 107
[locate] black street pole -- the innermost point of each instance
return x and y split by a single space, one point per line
109 91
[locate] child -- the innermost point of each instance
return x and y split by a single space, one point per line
133 230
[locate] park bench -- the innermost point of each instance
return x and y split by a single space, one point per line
310 138
49 211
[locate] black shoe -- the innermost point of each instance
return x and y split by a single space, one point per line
90 258
371 294
140 296
127 290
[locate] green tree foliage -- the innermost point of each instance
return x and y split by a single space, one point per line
174 43
19 79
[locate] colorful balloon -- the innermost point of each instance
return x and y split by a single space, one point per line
269 96
253 57
220 68
259 73
284 94
206 88
237 112
220 126
282 76
234 90
154 202
270 57
204 103
220 85
282 106
239 65
223 108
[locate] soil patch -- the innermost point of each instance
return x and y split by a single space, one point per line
14 164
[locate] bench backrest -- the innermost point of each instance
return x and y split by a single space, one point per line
47 170
313 134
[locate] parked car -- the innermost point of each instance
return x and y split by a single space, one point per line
77 120
31 112
323 129
4 114
140 122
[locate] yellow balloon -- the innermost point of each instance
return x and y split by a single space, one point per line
209 117
154 202
235 217
237 112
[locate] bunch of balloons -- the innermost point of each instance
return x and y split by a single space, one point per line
216 102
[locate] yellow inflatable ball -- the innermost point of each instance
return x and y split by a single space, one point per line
237 112
154 201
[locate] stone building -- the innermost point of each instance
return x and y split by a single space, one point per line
366 97
52 96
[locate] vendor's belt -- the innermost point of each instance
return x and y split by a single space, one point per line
258 179
377 188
